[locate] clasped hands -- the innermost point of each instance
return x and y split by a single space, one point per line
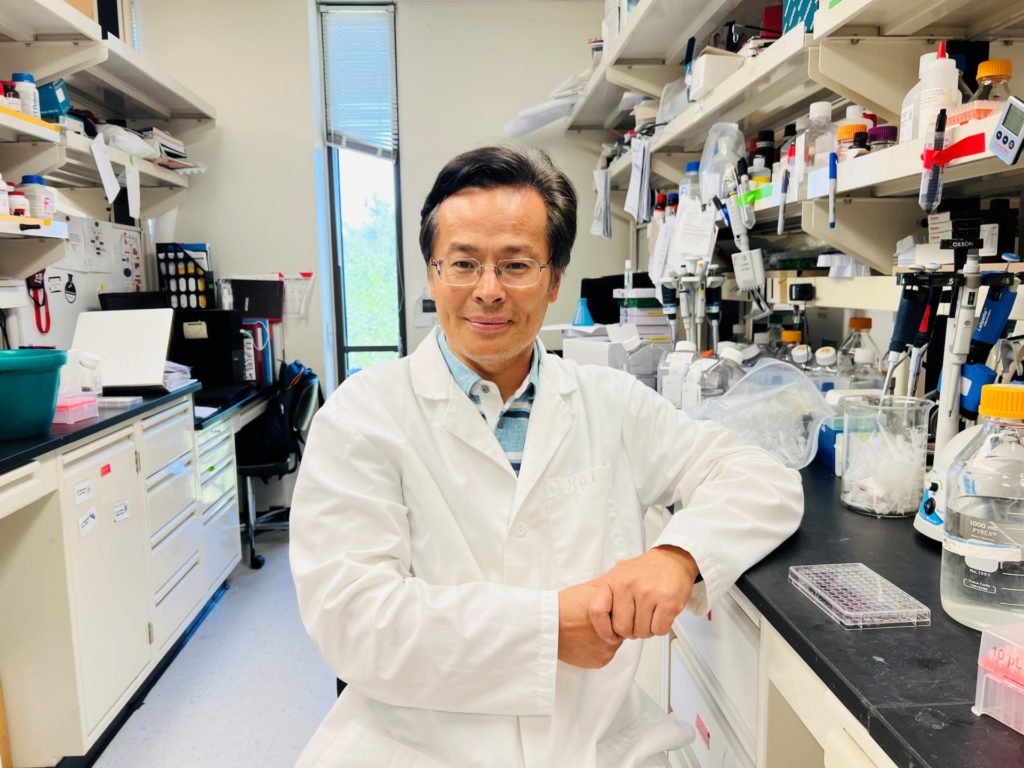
637 599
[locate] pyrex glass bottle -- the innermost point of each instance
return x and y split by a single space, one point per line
790 339
859 338
983 537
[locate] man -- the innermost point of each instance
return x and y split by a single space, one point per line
467 540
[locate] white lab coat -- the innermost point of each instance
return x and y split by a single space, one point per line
428 573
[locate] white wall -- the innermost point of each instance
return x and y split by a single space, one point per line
256 206
464 69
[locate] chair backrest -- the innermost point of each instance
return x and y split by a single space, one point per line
307 401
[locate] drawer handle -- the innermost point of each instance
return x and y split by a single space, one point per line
18 476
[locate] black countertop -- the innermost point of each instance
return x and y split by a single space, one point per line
911 688
15 453
221 413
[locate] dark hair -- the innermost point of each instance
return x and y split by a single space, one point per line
491 167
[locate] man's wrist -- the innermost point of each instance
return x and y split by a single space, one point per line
683 557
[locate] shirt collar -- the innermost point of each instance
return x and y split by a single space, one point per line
467 378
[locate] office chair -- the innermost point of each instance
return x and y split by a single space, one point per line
304 405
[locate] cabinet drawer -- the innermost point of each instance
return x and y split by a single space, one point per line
168 492
174 551
217 484
222 544
172 611
212 456
28 483
166 436
729 644
210 435
716 746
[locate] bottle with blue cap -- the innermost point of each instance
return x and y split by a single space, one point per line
691 183
41 200
25 85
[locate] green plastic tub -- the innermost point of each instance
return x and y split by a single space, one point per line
29 379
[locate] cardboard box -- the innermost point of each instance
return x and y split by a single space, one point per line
711 68
88 7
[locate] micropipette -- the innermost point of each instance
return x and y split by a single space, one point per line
931 178
833 187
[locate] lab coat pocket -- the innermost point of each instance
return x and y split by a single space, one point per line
584 533
357 747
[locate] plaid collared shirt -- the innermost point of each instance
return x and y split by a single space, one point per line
508 420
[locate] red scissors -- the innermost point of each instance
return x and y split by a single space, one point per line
40 304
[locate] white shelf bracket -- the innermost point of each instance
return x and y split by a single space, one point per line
866 228
19 159
50 60
23 258
873 72
649 79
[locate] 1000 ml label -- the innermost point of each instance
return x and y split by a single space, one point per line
980 550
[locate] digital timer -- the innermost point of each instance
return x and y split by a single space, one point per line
1008 137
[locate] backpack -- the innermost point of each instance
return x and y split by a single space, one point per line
273 437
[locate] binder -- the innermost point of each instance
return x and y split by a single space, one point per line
260 329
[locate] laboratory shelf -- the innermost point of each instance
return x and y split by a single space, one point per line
17 126
598 100
667 170
897 171
951 18
657 30
108 77
13 293
28 20
24 226
765 92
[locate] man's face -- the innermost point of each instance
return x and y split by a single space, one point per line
489 326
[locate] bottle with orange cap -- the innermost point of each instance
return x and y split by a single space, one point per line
859 338
983 533
993 91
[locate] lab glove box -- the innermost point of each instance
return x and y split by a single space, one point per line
1000 688
710 69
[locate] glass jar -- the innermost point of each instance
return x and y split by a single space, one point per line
983 531
885 445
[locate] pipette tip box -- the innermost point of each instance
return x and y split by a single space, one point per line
856 597
1000 691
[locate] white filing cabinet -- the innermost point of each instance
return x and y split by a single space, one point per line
217 491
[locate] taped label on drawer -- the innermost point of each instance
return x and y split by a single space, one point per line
83 492
86 522
121 511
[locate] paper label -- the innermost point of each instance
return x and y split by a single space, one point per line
195 330
817 183
133 184
694 233
990 240
83 492
86 522
99 152
121 511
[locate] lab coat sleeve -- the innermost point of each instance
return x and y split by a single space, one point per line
735 503
473 648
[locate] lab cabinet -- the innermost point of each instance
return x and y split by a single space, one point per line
106 542
107 553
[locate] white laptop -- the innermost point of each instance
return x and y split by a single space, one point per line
132 347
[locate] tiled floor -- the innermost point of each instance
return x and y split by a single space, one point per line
248 689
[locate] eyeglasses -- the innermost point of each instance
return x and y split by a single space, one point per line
512 273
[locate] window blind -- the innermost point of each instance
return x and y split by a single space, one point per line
361 106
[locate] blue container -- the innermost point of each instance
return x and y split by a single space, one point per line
29 380
54 100
582 316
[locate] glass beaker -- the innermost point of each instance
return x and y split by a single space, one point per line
885 446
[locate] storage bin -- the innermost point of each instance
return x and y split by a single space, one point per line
1000 687
29 380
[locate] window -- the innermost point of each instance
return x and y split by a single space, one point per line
361 110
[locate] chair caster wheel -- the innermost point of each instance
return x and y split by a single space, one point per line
256 562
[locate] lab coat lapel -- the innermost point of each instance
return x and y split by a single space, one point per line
454 411
551 420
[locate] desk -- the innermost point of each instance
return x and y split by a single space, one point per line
826 695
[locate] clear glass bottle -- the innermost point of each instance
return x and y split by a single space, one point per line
983 537
814 144
720 377
800 355
762 341
789 340
858 338
993 91
775 331
824 369
691 182
865 373
643 360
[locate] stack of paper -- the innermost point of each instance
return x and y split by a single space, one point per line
638 197
176 376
